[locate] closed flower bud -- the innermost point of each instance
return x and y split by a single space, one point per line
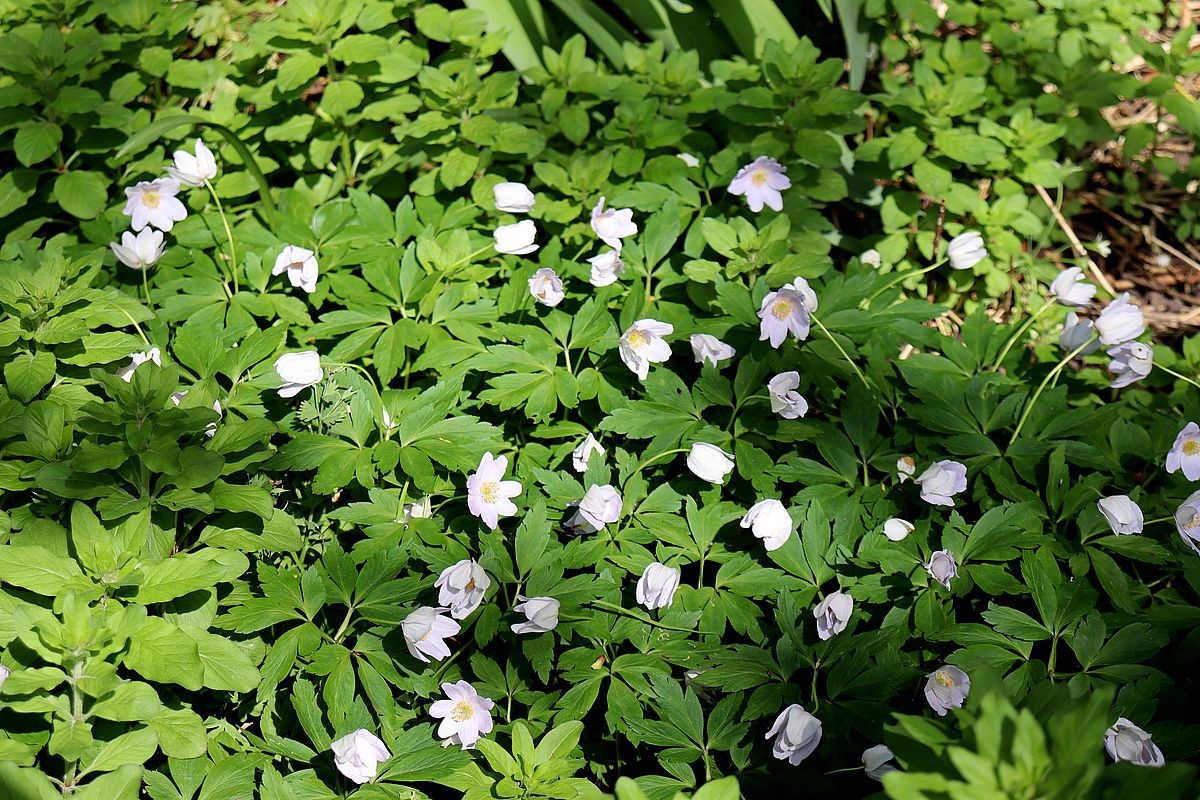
832 614
1125 741
1131 361
946 688
1075 333
514 197
905 468
1185 452
797 734
966 250
358 754
941 481
942 567
600 506
1120 321
769 520
541 614
1123 515
461 587
875 760
656 588
581 454
1069 290
711 349
298 371
517 239
896 529
785 400
871 258
425 631
709 462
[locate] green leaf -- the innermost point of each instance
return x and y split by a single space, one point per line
180 733
163 653
37 569
28 373
36 141
81 194
135 747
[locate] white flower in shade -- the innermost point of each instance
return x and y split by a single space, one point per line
1185 452
762 181
643 345
613 225
4 673
1076 331
875 760
357 755
606 268
154 203
211 428
896 529
153 355
581 454
139 252
946 688
1125 741
516 239
194 170
905 468
425 631
832 614
1187 521
418 509
709 462
1122 514
769 520
599 506
797 734
1120 321
711 349
871 258
298 371
300 263
657 586
1070 290
461 587
966 250
1131 361
514 197
785 400
541 614
546 287
488 494
787 310
466 717
942 567
941 481
688 159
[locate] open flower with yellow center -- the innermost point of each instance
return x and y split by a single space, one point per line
613 225
1185 452
1187 521
787 310
946 688
643 345
488 493
425 631
461 587
762 181
154 203
466 717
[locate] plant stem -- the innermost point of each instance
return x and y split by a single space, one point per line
146 287
1169 371
650 461
1042 386
341 631
845 355
737 407
233 264
625 612
914 273
1018 333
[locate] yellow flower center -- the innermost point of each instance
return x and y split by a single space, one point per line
489 491
781 309
944 678
1193 523
1191 447
758 177
462 712
470 587
151 199
637 339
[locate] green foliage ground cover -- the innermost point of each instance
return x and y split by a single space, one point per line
197 601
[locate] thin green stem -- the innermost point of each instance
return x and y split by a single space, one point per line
625 612
841 350
738 407
1018 333
650 461
1042 386
233 262
900 278
146 288
1170 371
358 367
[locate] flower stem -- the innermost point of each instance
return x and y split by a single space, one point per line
1169 371
650 461
1018 333
625 612
146 287
845 355
738 407
233 264
1042 386
903 276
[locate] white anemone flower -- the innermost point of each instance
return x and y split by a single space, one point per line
613 225
769 520
465 715
657 586
488 494
788 310
833 614
709 462
1120 321
194 170
461 587
762 181
154 203
546 287
581 454
298 371
517 239
785 400
1070 290
1185 452
541 615
606 268
153 355
1076 332
1131 362
688 159
643 345
513 197
966 250
706 347
797 734
425 632
141 251
600 506
300 264
358 755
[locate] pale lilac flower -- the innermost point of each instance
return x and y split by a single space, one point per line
153 355
357 755
154 203
1070 290
871 258
300 264
517 239
606 268
833 614
194 170
514 197
466 717
942 567
875 760
581 454
546 287
425 631
946 688
1131 361
4 673
782 312
643 345
1185 452
298 371
709 462
1187 521
762 181
769 520
657 586
1125 741
541 614
461 587
688 159
905 468
1120 321
141 251
1076 331
896 529
599 506
488 494
706 347
797 734
613 225
966 250
785 400
1122 514
941 481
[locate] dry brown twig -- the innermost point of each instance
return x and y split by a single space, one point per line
1076 245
